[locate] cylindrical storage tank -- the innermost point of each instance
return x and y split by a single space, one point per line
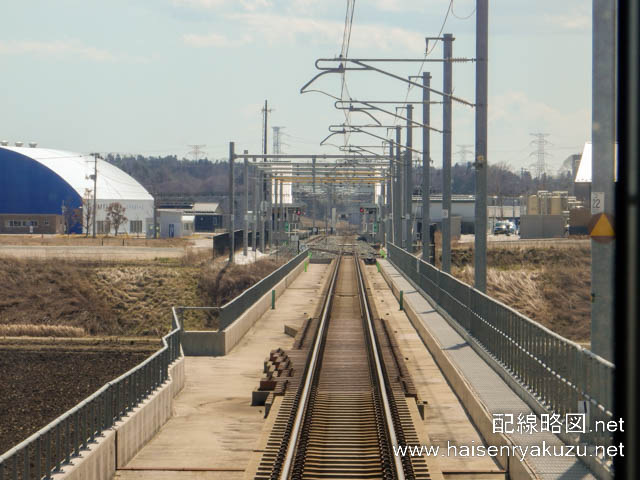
542 205
532 205
556 206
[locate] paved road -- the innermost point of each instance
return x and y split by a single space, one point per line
90 252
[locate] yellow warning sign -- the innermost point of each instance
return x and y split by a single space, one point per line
601 228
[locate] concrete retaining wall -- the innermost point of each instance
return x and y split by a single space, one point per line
120 444
208 343
201 342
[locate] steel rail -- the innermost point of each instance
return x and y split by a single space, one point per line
312 371
309 377
379 373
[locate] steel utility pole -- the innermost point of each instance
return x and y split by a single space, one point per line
326 215
245 233
256 206
397 193
480 228
382 230
269 224
276 214
263 209
446 152
426 164
313 196
408 182
265 120
232 220
390 190
281 223
95 188
603 135
266 186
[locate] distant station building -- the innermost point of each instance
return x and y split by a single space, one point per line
40 188
208 216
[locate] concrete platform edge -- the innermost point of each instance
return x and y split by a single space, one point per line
592 464
473 405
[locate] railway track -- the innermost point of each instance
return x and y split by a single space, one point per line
341 414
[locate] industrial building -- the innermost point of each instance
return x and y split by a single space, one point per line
174 223
38 185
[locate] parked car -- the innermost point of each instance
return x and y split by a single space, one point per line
506 228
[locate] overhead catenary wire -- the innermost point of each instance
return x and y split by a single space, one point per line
464 17
428 51
344 53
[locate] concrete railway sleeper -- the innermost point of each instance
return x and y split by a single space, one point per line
347 409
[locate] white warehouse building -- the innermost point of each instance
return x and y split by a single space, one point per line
40 181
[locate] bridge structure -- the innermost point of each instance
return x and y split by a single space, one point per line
332 367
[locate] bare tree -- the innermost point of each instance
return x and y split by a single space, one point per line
115 216
71 217
87 210
501 181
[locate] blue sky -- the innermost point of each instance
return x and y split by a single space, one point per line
151 77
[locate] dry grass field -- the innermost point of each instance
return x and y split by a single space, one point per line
114 298
548 283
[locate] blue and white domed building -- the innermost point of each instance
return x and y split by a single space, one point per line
38 184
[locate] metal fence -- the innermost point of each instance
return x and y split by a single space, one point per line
229 312
236 307
557 372
51 448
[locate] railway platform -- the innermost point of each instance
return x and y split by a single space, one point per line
484 392
215 433
214 428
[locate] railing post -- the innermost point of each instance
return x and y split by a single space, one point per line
85 418
76 433
37 458
273 299
67 440
26 471
58 450
47 463
401 300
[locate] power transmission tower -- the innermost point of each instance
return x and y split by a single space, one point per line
196 150
540 142
464 151
277 140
